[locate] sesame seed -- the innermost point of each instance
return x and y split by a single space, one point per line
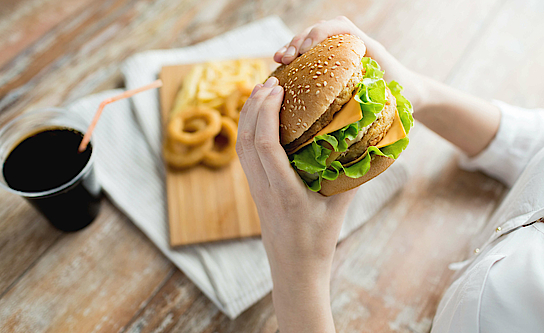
304 124
294 131
319 61
320 66
324 83
318 73
318 84
332 55
332 74
337 63
287 101
307 86
338 45
303 107
307 91
326 63
325 71
315 77
334 67
317 92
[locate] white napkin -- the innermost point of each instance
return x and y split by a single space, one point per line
233 274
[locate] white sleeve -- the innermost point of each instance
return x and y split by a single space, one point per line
519 138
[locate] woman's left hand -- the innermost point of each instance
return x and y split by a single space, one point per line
300 228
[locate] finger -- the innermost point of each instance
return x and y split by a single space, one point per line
279 53
292 49
248 158
245 144
324 30
279 172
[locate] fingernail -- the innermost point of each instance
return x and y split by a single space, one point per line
257 87
290 51
271 82
276 90
306 44
282 50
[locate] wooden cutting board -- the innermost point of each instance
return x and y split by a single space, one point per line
205 204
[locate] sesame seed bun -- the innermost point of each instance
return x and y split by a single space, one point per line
313 81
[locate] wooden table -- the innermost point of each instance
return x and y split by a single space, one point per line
388 276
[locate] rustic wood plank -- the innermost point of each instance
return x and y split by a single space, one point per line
179 307
92 280
24 236
29 21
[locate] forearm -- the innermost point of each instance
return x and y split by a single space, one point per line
303 304
468 122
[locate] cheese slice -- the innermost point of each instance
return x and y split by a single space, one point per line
395 133
349 113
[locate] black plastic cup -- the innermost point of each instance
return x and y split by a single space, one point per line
70 206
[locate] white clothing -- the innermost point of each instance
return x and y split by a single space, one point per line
500 289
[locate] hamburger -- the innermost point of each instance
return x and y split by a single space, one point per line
341 124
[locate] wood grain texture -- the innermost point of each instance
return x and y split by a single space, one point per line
24 236
205 204
388 276
87 281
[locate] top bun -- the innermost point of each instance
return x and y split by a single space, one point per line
317 84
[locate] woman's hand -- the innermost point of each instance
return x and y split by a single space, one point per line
300 228
413 83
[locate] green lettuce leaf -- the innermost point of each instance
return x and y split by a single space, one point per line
372 69
404 107
371 96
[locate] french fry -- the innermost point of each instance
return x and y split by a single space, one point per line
211 83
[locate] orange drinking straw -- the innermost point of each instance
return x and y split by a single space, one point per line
126 94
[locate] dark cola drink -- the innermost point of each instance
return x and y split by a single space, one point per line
54 177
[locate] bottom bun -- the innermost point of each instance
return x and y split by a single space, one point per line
344 183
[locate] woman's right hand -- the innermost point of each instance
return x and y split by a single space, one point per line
394 70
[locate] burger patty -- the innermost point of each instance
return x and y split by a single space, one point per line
342 98
375 133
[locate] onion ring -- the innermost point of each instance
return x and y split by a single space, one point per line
194 135
224 147
181 156
234 103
